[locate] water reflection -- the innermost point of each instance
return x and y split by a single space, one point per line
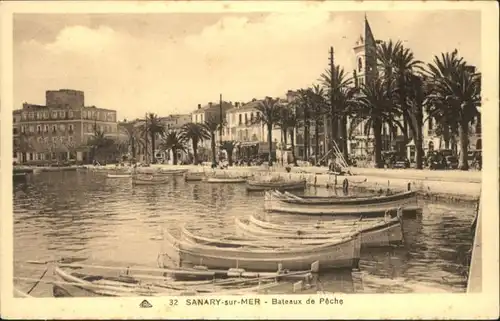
85 214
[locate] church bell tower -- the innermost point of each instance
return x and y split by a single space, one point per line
365 53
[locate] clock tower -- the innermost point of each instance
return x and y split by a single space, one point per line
365 53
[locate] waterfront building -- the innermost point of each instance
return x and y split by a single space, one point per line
250 134
203 114
61 129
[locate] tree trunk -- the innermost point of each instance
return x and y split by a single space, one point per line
345 150
270 139
132 141
446 136
377 133
174 156
229 157
464 144
316 143
153 156
212 145
195 152
292 141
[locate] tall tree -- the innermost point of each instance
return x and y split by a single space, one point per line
152 128
212 125
318 108
376 108
131 131
269 114
228 146
195 133
342 94
304 101
288 122
174 142
457 89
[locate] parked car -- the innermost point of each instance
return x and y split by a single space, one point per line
451 162
401 162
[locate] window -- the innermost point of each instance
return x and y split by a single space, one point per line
70 114
360 64
14 131
31 115
251 117
239 118
54 114
46 128
38 115
62 114
246 118
54 129
62 127
32 129
45 115
71 128
430 124
24 116
23 129
39 129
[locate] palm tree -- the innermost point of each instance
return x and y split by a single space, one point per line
196 133
416 93
318 107
457 90
101 145
228 146
212 125
269 115
131 130
288 122
340 94
173 141
153 127
376 108
304 104
405 66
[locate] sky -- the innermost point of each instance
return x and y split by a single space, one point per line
170 62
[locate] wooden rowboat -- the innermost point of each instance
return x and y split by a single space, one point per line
194 176
257 185
76 284
119 175
274 202
226 180
374 233
149 180
337 201
172 172
343 253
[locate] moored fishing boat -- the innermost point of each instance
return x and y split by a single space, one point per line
119 175
374 233
77 284
172 172
149 180
276 202
341 253
260 185
194 176
394 199
227 179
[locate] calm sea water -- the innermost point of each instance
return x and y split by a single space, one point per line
85 214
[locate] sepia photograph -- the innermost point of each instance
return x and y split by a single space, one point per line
253 155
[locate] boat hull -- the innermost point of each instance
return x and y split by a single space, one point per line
272 203
265 186
403 198
343 254
194 177
226 180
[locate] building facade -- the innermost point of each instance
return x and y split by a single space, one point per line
61 129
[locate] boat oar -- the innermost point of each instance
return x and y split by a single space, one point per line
65 260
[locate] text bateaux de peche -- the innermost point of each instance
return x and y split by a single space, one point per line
327 300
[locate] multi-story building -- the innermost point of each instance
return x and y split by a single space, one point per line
60 129
244 127
209 112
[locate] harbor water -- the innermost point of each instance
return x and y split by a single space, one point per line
87 215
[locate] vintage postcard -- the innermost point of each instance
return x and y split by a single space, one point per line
286 159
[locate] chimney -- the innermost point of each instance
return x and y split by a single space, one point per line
210 104
199 106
